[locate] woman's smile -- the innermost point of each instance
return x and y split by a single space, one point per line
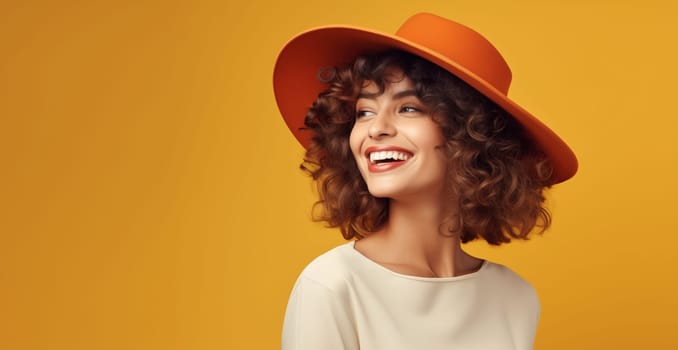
385 158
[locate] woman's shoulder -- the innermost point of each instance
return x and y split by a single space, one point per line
507 284
505 277
331 269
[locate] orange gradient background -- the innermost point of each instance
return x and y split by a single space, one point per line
150 192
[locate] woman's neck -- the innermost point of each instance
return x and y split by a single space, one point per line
417 239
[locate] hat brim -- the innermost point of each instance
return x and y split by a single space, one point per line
296 84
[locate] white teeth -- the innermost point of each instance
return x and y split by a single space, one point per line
383 155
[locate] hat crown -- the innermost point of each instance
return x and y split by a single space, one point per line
461 44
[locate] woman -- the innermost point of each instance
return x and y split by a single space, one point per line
416 149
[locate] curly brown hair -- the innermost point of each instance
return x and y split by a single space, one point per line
498 177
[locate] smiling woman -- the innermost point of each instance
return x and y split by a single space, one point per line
416 149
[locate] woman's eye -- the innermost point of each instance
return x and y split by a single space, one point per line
409 109
363 113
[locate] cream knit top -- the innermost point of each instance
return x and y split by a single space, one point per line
343 300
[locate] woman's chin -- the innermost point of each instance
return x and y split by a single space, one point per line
391 191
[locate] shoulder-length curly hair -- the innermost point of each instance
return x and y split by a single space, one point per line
498 178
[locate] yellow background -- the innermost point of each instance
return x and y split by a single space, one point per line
150 195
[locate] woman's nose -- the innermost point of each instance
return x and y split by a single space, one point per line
381 126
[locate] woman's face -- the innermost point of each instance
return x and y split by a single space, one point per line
397 146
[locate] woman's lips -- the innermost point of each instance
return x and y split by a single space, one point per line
382 167
376 154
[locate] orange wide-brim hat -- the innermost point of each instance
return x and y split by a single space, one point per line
299 73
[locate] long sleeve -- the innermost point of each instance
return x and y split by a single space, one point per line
317 318
524 310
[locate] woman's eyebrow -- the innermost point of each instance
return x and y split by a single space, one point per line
397 95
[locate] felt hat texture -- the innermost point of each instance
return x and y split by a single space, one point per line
299 73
